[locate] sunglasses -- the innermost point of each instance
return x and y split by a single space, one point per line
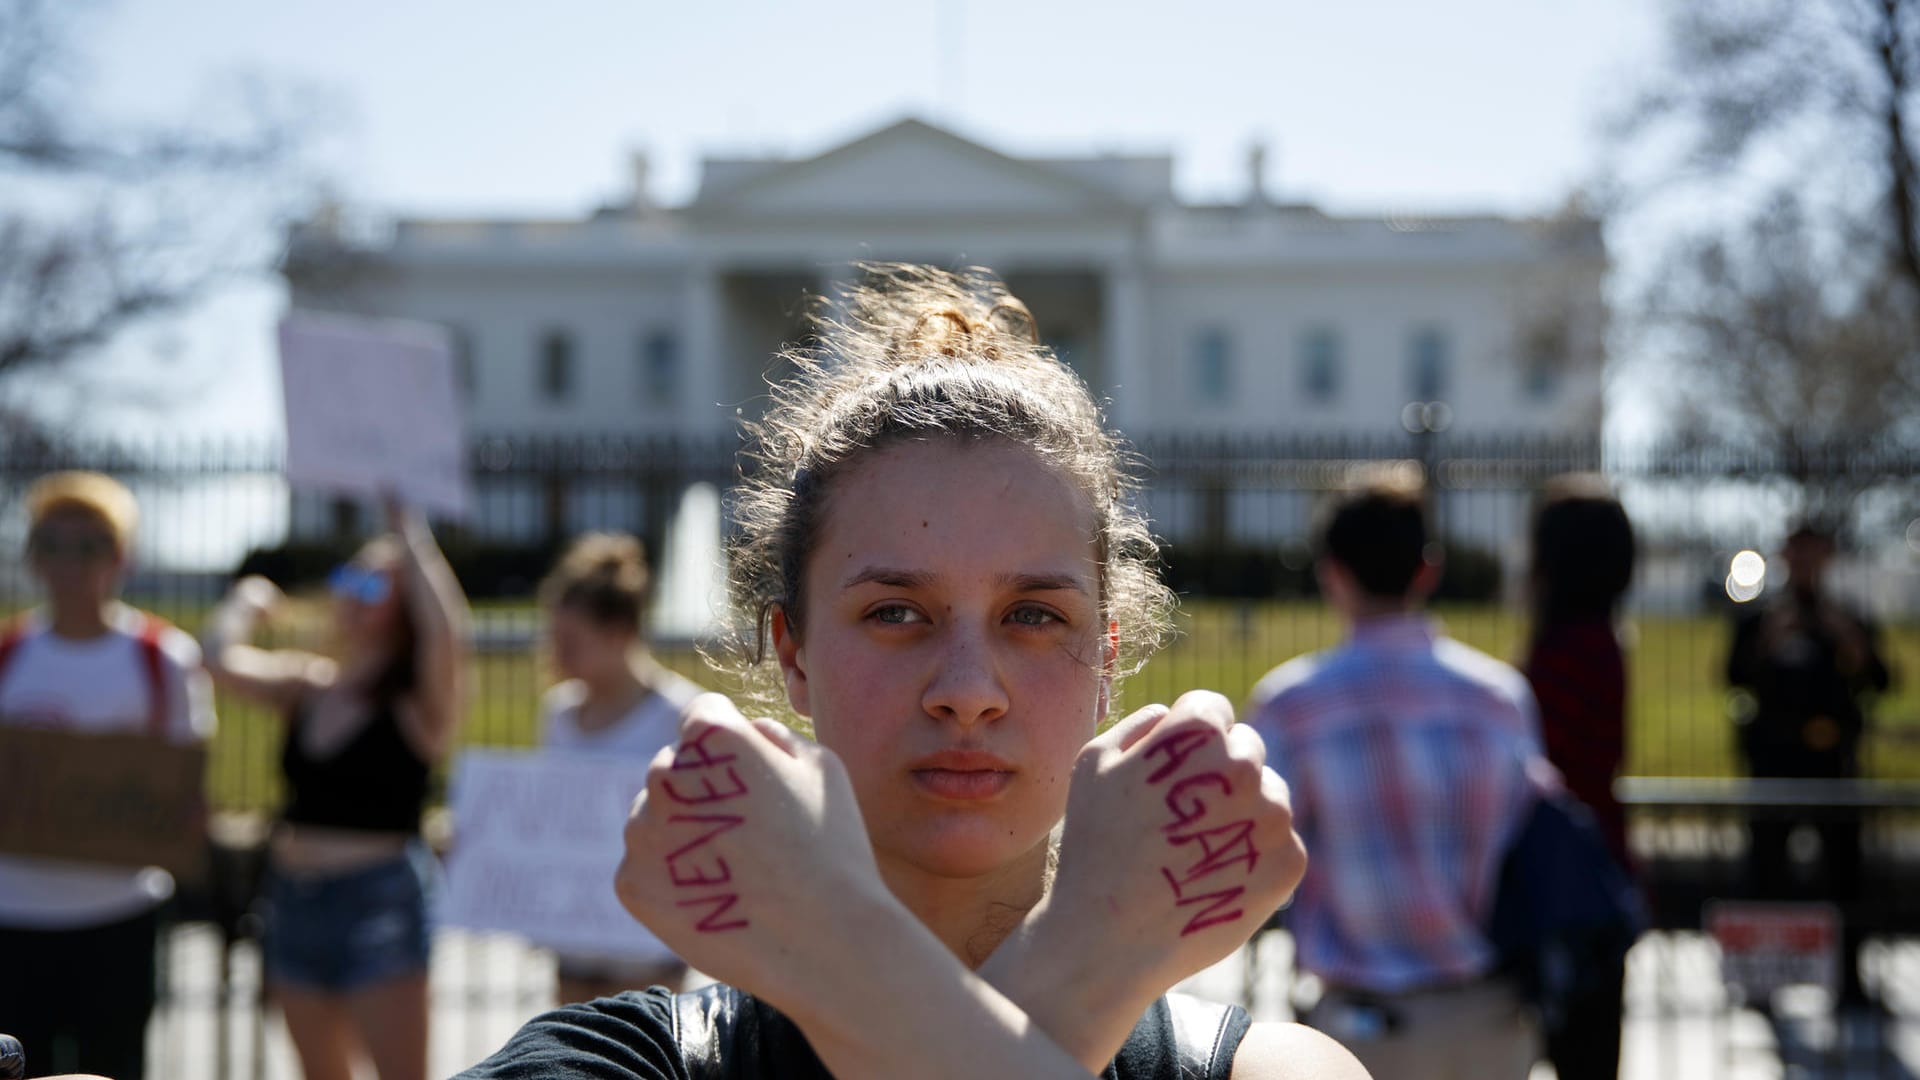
80 547
359 583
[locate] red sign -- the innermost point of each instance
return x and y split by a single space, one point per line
1767 946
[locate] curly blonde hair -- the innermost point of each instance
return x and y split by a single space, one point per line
916 353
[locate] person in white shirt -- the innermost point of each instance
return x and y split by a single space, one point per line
79 938
613 698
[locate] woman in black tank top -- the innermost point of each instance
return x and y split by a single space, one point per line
937 566
349 878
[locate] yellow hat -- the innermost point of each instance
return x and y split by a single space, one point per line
96 493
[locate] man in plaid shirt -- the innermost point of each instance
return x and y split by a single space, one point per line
1413 760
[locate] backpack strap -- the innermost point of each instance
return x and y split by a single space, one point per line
154 660
11 636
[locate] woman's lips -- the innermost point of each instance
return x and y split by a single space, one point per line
965 785
965 775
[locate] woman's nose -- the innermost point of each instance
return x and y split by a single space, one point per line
966 687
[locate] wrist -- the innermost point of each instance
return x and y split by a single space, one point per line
1080 985
1090 964
838 972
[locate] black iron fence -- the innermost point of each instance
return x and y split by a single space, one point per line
1234 517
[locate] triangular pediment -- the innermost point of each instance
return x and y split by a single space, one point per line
908 168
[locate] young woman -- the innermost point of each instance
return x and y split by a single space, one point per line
1582 566
613 699
938 567
347 937
78 939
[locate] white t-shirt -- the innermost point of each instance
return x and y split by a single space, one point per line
99 685
652 723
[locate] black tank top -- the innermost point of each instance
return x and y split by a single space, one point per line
719 1033
374 781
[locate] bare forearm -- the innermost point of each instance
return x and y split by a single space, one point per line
900 1004
439 609
433 593
230 625
1057 982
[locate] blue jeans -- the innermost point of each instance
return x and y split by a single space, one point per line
346 932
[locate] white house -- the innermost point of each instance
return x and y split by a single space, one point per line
1250 318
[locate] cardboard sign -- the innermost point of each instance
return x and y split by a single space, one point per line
128 800
537 838
1767 946
372 407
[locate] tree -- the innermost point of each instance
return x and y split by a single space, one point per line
104 227
1776 148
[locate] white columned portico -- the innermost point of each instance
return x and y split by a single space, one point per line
1123 337
700 329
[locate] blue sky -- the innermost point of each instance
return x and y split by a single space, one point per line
462 108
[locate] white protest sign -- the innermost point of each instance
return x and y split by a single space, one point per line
372 407
1765 946
537 838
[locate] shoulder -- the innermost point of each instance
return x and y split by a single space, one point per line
629 1036
561 697
1497 677
557 708
23 624
1289 679
19 630
179 647
676 689
1272 1051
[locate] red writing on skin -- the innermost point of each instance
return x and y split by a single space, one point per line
1208 916
679 858
682 865
1178 747
693 754
711 795
1221 847
722 903
1190 808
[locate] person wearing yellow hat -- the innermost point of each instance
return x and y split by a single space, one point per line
80 938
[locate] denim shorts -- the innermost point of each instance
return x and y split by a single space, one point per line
345 932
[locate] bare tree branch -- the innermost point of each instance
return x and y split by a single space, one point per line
106 226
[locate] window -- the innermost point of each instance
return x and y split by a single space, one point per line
1543 361
466 373
1320 364
660 367
1213 367
1430 359
556 365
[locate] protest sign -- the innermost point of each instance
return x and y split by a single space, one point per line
537 838
1765 946
372 407
127 800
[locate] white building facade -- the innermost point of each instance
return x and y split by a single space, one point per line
1252 319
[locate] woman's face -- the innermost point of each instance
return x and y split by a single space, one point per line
585 649
366 599
77 558
951 650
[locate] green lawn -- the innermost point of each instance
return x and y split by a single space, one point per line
1678 719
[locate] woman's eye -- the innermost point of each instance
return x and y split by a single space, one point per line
894 614
1033 616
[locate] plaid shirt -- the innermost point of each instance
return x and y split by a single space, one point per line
1409 755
